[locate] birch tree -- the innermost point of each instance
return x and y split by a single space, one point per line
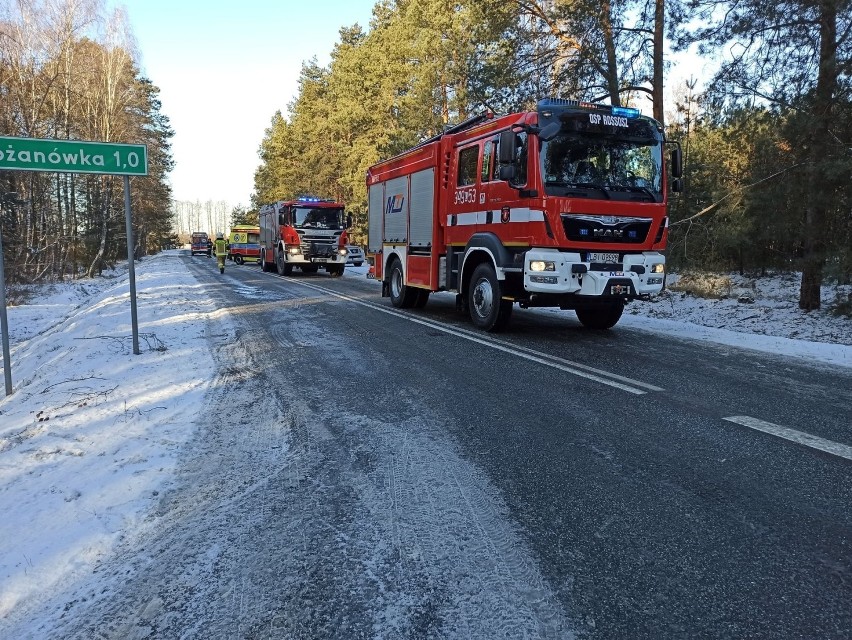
67 72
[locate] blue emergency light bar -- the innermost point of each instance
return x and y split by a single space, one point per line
545 107
626 112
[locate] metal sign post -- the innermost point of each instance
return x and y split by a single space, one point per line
74 156
131 269
4 323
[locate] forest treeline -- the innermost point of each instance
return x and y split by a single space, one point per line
766 140
210 216
69 72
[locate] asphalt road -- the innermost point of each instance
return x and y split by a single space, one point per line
397 474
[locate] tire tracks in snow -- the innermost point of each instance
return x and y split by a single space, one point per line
303 515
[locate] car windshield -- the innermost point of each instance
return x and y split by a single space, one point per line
608 163
318 218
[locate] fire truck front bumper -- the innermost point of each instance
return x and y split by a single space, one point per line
316 255
633 276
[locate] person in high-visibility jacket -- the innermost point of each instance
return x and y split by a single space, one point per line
221 251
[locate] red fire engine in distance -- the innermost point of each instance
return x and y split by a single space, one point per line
307 233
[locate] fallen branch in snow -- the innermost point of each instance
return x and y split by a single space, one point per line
130 413
56 384
84 401
151 339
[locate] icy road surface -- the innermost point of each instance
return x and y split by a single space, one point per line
297 515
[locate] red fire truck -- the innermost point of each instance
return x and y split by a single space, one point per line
307 233
564 206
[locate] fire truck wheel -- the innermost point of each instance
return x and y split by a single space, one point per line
402 297
284 269
601 316
335 272
488 310
238 259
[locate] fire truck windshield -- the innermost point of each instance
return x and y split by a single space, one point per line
594 164
318 218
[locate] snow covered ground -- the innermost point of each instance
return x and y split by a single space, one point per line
772 322
90 437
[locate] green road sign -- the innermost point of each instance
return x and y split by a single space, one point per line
73 156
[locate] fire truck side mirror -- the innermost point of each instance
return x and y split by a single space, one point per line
348 220
677 162
506 172
549 132
506 158
507 148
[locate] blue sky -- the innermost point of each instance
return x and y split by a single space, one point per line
223 69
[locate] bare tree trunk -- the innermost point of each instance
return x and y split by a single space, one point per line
611 64
657 79
96 266
61 199
820 185
73 230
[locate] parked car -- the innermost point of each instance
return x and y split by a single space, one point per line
355 255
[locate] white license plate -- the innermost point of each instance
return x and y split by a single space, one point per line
603 257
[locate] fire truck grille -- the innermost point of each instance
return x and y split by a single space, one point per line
588 228
318 247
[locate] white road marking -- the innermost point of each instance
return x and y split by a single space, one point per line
799 437
583 371
580 365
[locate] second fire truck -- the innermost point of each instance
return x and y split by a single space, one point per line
307 233
564 206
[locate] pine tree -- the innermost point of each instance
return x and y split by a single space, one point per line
793 54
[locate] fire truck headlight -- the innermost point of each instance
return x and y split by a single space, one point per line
342 252
542 265
295 250
658 268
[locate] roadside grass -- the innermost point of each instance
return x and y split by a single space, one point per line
779 286
702 285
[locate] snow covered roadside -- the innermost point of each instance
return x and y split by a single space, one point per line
768 320
91 434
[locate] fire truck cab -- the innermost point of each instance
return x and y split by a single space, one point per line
562 207
307 233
